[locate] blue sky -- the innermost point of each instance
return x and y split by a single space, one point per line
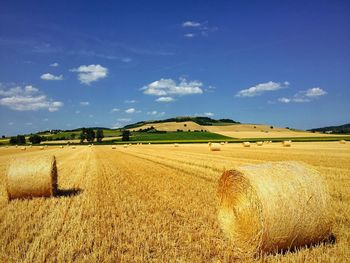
68 64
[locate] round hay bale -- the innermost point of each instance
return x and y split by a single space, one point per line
274 206
125 146
32 177
222 143
246 144
41 147
287 143
73 147
176 145
113 147
259 143
342 141
61 146
23 148
215 147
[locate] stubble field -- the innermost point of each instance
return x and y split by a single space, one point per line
153 203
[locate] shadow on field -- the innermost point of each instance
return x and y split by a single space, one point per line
68 192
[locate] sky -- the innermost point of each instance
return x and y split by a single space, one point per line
69 64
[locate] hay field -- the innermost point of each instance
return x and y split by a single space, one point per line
260 131
153 203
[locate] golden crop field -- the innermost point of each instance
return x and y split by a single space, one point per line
153 203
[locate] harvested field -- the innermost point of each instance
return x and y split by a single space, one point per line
154 203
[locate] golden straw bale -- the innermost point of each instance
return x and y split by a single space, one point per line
222 143
61 146
125 146
274 206
246 144
342 141
176 145
23 148
113 147
215 147
32 177
259 143
41 147
287 143
73 147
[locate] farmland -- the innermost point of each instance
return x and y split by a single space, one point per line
153 203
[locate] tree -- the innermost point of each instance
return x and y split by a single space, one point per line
99 135
72 136
126 135
13 140
35 139
271 127
82 137
90 135
21 139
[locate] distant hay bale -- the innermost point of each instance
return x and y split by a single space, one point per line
125 146
73 147
41 147
273 206
287 143
32 177
342 141
89 145
23 148
61 146
259 143
113 147
215 147
16 146
246 144
222 143
176 145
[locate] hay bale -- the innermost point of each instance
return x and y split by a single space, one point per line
273 206
259 143
23 148
113 147
222 143
287 143
41 147
125 146
176 145
73 147
342 141
215 147
246 144
61 146
32 177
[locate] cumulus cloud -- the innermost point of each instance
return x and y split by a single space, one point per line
156 113
132 110
261 88
130 101
191 24
54 65
84 103
115 110
27 98
165 99
304 96
91 73
208 114
168 87
49 76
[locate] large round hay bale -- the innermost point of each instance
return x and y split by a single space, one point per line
41 147
259 143
215 147
222 143
246 144
23 148
32 177
113 147
176 145
287 143
125 146
342 141
273 206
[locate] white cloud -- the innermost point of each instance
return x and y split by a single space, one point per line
54 65
27 98
156 113
130 101
124 119
165 99
84 103
166 87
131 110
49 76
284 100
261 88
91 73
208 114
304 96
115 110
189 35
315 92
191 24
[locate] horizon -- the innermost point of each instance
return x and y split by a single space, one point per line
70 65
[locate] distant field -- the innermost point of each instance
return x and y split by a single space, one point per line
154 203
